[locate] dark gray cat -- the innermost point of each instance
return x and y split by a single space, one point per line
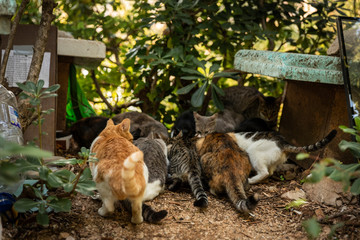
155 158
142 125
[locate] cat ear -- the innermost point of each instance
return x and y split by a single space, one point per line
196 115
109 123
214 116
125 125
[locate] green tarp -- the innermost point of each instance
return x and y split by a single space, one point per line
77 106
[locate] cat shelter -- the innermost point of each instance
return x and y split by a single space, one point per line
316 97
62 53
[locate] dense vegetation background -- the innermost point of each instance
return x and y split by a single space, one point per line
152 44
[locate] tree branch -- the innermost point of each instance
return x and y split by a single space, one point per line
10 42
98 90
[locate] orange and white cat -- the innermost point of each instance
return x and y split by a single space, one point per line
120 172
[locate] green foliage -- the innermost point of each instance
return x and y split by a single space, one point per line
348 174
43 200
148 64
34 93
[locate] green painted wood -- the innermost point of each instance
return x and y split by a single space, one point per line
290 66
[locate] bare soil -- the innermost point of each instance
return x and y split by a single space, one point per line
270 220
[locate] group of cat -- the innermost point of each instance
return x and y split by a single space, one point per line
136 156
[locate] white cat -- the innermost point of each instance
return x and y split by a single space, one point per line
267 150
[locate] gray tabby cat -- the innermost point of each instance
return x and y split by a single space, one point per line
155 158
267 150
185 162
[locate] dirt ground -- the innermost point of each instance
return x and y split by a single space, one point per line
184 221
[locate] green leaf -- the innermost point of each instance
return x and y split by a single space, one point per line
199 63
312 227
49 95
37 192
25 204
64 161
191 77
65 175
187 88
60 205
214 68
44 173
192 71
54 181
318 173
86 187
355 187
216 99
39 86
354 147
52 88
42 219
197 98
226 75
302 156
296 203
218 90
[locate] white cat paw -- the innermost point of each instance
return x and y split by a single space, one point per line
137 219
102 211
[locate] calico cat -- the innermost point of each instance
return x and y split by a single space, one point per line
120 172
155 158
226 168
142 124
267 150
85 131
184 162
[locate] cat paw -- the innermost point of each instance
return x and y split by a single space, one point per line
202 202
102 211
137 219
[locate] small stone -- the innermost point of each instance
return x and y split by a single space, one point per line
338 203
294 194
70 238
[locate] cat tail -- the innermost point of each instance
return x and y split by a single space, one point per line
236 193
313 147
130 182
149 214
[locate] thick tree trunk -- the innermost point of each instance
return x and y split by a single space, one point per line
26 116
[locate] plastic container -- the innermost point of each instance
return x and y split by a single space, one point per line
10 128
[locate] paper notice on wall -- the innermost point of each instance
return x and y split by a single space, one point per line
18 66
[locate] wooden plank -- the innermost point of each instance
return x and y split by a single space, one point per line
310 112
63 80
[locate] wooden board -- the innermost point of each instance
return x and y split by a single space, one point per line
310 112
